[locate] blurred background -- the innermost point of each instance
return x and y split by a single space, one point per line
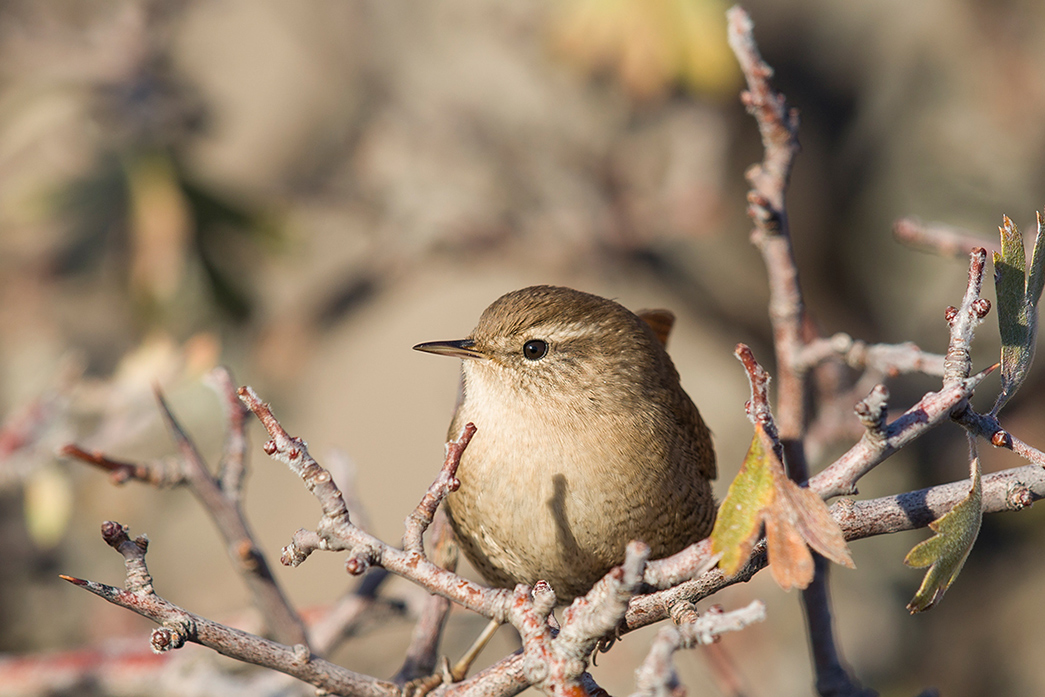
303 191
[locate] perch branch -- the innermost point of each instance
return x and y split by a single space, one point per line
1010 490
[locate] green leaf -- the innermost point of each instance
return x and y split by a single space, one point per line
946 551
1018 294
1036 281
795 520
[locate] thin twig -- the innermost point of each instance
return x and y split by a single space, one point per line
880 441
423 651
656 675
886 359
178 626
938 238
335 532
221 501
963 320
988 428
247 557
877 444
445 483
162 474
792 330
233 465
1009 490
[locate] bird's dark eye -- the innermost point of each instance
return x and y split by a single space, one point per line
535 349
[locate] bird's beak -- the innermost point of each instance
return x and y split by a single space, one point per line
463 348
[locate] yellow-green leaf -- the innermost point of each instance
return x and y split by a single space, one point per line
795 520
739 519
48 505
946 551
650 45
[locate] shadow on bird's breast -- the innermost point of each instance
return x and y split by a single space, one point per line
568 546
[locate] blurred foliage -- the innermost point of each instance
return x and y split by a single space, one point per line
650 45
142 214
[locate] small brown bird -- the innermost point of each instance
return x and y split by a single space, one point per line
585 441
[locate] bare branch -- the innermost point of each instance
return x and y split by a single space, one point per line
688 563
335 532
233 465
445 483
792 330
988 428
178 626
938 238
957 364
1008 490
831 676
247 557
423 651
162 474
221 500
840 477
757 407
777 123
886 359
656 676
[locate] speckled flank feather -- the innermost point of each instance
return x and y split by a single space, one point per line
576 453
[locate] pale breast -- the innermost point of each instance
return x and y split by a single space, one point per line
560 502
